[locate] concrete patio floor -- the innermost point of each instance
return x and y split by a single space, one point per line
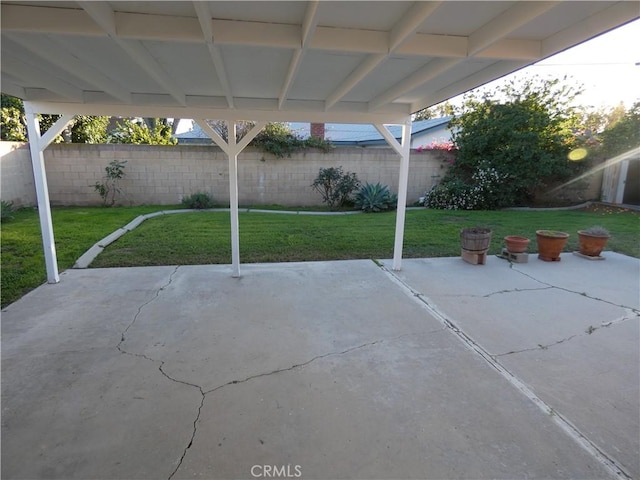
327 370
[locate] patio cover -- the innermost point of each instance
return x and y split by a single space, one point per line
329 61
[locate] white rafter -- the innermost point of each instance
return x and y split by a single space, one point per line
399 34
480 40
309 24
204 17
102 14
24 71
430 71
612 17
53 52
485 75
505 23
132 26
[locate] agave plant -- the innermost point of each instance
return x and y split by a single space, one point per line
375 198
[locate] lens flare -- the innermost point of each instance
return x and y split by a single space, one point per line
578 154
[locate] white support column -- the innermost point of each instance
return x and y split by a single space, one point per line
404 150
37 144
232 149
233 200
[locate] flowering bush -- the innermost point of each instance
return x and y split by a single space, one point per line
446 150
446 145
483 193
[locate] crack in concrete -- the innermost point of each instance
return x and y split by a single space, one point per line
576 435
135 317
175 380
584 294
203 394
317 357
511 291
120 348
589 331
266 374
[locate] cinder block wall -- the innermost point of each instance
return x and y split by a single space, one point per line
16 174
164 174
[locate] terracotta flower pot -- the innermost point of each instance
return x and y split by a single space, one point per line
516 244
591 245
550 244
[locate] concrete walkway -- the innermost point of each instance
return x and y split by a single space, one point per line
327 370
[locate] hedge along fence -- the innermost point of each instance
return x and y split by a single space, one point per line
162 175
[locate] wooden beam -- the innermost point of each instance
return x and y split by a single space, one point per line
309 23
508 21
429 71
102 14
30 75
493 71
398 35
206 26
74 60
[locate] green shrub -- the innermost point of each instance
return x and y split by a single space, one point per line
199 201
335 186
110 187
278 140
7 211
520 132
375 198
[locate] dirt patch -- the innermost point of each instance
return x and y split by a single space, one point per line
606 208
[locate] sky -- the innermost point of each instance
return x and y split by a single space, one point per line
607 66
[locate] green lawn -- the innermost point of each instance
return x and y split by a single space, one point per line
204 237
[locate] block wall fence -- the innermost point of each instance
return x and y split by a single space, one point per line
162 175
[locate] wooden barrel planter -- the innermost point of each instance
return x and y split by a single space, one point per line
475 244
475 239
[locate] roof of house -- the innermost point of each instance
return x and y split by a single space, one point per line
339 133
366 134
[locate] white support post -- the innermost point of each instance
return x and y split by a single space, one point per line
37 144
402 194
232 149
404 150
233 200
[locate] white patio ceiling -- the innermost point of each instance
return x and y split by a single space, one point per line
327 61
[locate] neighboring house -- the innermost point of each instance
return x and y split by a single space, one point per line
423 132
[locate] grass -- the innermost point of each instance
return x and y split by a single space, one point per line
75 230
204 237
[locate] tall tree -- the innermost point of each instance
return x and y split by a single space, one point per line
138 132
512 142
82 129
440 110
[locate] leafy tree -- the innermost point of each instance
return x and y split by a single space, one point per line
623 135
83 129
515 139
596 121
275 138
12 125
134 132
222 129
437 111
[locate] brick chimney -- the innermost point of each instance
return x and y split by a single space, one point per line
317 130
